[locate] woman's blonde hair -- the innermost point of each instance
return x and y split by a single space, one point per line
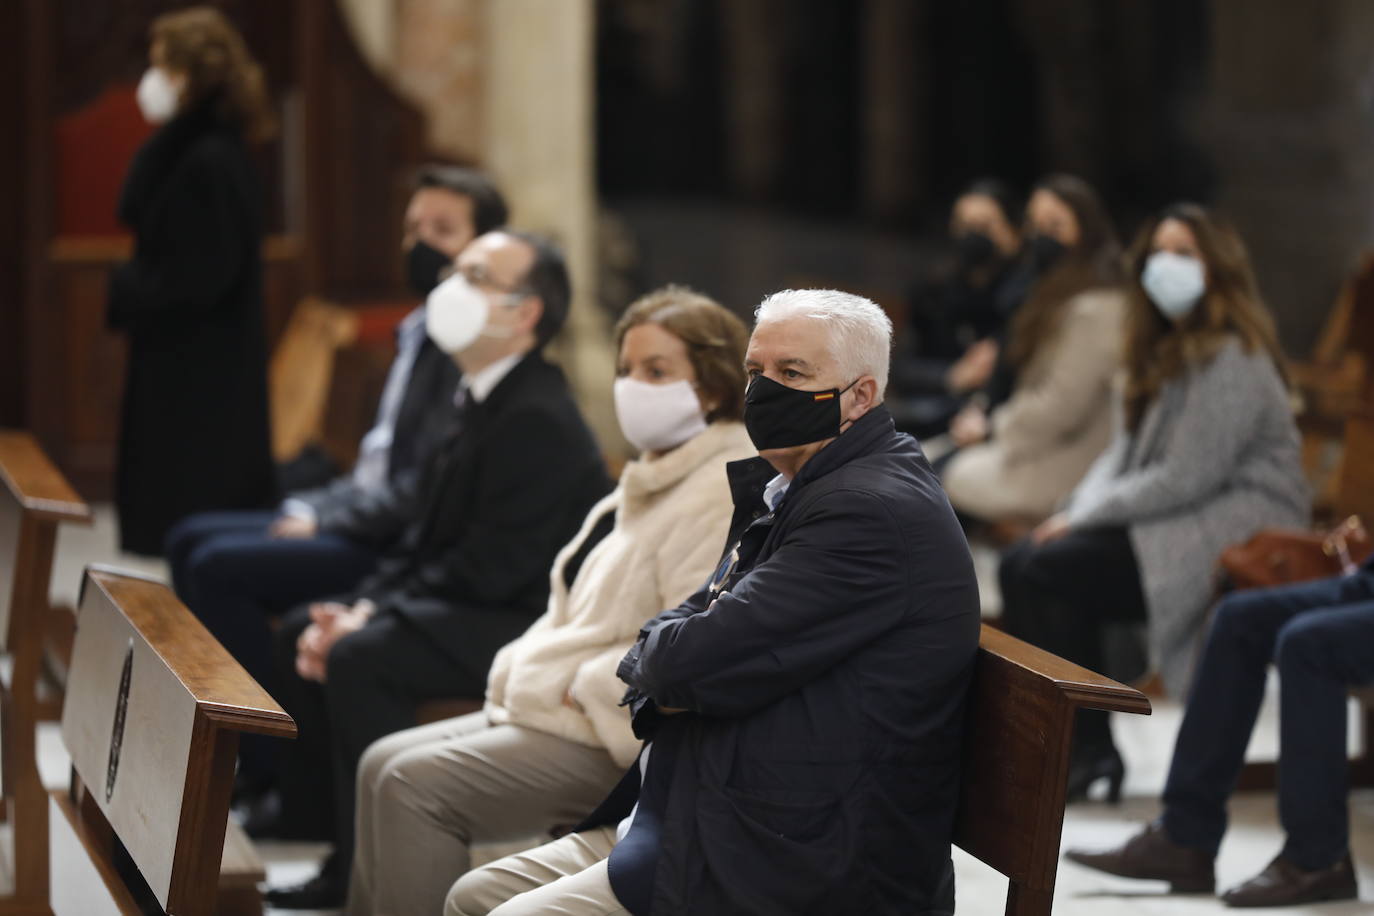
1157 349
204 45
716 340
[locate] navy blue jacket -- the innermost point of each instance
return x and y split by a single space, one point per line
824 671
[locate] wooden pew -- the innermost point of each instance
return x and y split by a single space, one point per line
1021 709
152 719
34 499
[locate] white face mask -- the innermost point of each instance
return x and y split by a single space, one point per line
157 96
456 314
657 417
1174 283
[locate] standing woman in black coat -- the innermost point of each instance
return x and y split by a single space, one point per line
195 432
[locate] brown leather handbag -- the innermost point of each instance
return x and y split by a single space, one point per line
1278 556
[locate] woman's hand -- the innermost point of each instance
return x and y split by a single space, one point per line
974 368
292 527
969 427
1051 529
570 700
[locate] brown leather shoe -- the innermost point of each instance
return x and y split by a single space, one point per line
1150 854
1284 884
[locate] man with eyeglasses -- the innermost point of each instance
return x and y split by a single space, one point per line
240 571
470 573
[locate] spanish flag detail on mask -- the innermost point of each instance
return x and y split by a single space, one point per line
824 396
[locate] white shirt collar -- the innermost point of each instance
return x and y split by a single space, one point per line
481 383
774 491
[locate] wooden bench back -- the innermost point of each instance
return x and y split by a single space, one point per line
34 499
153 712
1019 728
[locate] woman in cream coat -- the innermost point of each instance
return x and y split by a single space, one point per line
553 739
1020 461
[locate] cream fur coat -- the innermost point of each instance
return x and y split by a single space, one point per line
672 517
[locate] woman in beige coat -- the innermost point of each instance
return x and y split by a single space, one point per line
553 739
1021 461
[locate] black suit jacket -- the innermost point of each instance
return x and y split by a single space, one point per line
498 501
377 516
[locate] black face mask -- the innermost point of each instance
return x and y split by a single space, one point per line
423 264
780 417
974 249
1043 251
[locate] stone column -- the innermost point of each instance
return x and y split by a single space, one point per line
1290 122
538 92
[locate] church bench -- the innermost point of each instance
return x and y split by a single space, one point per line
153 713
34 499
1018 732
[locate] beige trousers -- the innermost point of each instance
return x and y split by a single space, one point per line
426 794
564 878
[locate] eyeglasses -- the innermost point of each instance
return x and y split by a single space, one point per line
477 275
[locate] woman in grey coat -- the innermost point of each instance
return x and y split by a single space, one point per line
1205 454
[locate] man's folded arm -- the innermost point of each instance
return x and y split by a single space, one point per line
833 586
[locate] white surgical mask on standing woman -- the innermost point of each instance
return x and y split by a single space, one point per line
1174 283
657 417
157 96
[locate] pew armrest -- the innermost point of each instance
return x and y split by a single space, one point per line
223 691
35 483
1083 688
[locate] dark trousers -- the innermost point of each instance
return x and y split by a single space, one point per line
237 579
1061 594
1320 636
375 679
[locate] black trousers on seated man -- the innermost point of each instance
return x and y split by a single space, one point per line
376 679
1320 636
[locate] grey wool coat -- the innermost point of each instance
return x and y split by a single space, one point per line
1214 460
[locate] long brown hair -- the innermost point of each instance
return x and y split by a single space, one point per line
1157 349
1095 261
202 43
716 340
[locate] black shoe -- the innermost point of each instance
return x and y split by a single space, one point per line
328 890
1087 767
262 819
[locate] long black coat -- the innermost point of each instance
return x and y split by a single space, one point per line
509 485
817 769
195 433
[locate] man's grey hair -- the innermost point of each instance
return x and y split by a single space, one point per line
857 329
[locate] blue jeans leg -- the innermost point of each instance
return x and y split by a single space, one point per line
1225 698
1320 654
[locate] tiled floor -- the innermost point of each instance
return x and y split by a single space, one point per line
1145 742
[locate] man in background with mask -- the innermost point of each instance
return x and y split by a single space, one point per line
804 710
238 570
469 573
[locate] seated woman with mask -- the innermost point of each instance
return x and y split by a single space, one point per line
1023 458
1205 455
958 320
553 738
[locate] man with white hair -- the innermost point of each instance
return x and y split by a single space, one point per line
803 711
